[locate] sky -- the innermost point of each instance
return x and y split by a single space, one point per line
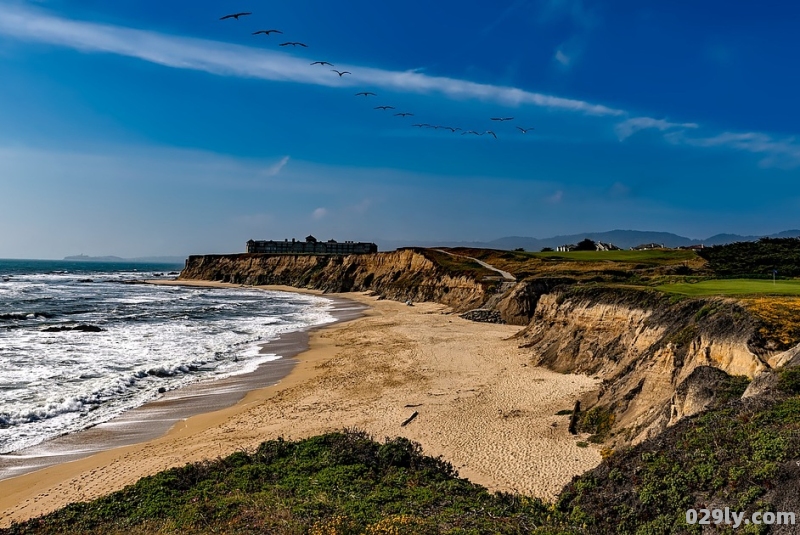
138 128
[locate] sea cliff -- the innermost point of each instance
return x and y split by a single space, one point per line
403 275
646 346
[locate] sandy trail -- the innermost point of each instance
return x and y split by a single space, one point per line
481 407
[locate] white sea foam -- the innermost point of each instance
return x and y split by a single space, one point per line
153 337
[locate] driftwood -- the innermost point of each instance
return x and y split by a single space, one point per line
408 421
573 420
411 406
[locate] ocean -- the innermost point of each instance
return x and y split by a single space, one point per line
81 342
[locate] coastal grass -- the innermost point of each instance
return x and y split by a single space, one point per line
737 287
598 266
653 257
340 483
741 455
779 317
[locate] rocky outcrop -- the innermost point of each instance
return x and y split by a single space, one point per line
643 346
517 305
400 275
701 390
483 316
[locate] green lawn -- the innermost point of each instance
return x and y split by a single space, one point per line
642 257
734 287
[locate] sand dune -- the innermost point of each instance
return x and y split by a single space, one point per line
480 406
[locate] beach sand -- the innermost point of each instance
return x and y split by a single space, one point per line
481 407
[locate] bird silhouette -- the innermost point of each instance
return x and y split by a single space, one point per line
421 125
235 16
490 132
471 132
384 108
366 94
404 114
266 32
451 128
502 119
524 130
341 73
294 43
322 63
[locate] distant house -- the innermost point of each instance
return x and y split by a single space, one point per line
648 247
598 246
310 246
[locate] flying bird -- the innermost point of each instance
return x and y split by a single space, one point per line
502 119
322 63
490 132
294 43
525 130
341 73
384 108
404 114
471 132
451 128
366 94
235 16
420 125
266 32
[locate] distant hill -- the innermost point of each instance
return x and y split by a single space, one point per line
621 238
138 260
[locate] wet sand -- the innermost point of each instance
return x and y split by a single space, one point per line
481 406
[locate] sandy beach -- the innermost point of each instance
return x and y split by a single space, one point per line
481 406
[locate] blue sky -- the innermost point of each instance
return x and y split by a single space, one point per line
131 128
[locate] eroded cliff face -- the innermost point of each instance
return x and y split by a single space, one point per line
644 347
660 359
399 275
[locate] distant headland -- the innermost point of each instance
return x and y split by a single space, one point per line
138 260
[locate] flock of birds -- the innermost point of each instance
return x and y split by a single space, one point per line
366 94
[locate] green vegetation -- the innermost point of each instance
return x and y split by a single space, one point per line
731 456
734 287
789 381
755 258
598 422
456 265
654 257
341 483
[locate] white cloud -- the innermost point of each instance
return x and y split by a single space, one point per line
562 58
363 206
226 59
319 213
627 128
556 197
273 170
783 154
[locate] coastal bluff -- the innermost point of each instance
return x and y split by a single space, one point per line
402 275
650 351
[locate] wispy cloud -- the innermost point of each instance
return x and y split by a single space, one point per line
227 59
555 198
319 213
562 58
628 127
273 170
784 154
